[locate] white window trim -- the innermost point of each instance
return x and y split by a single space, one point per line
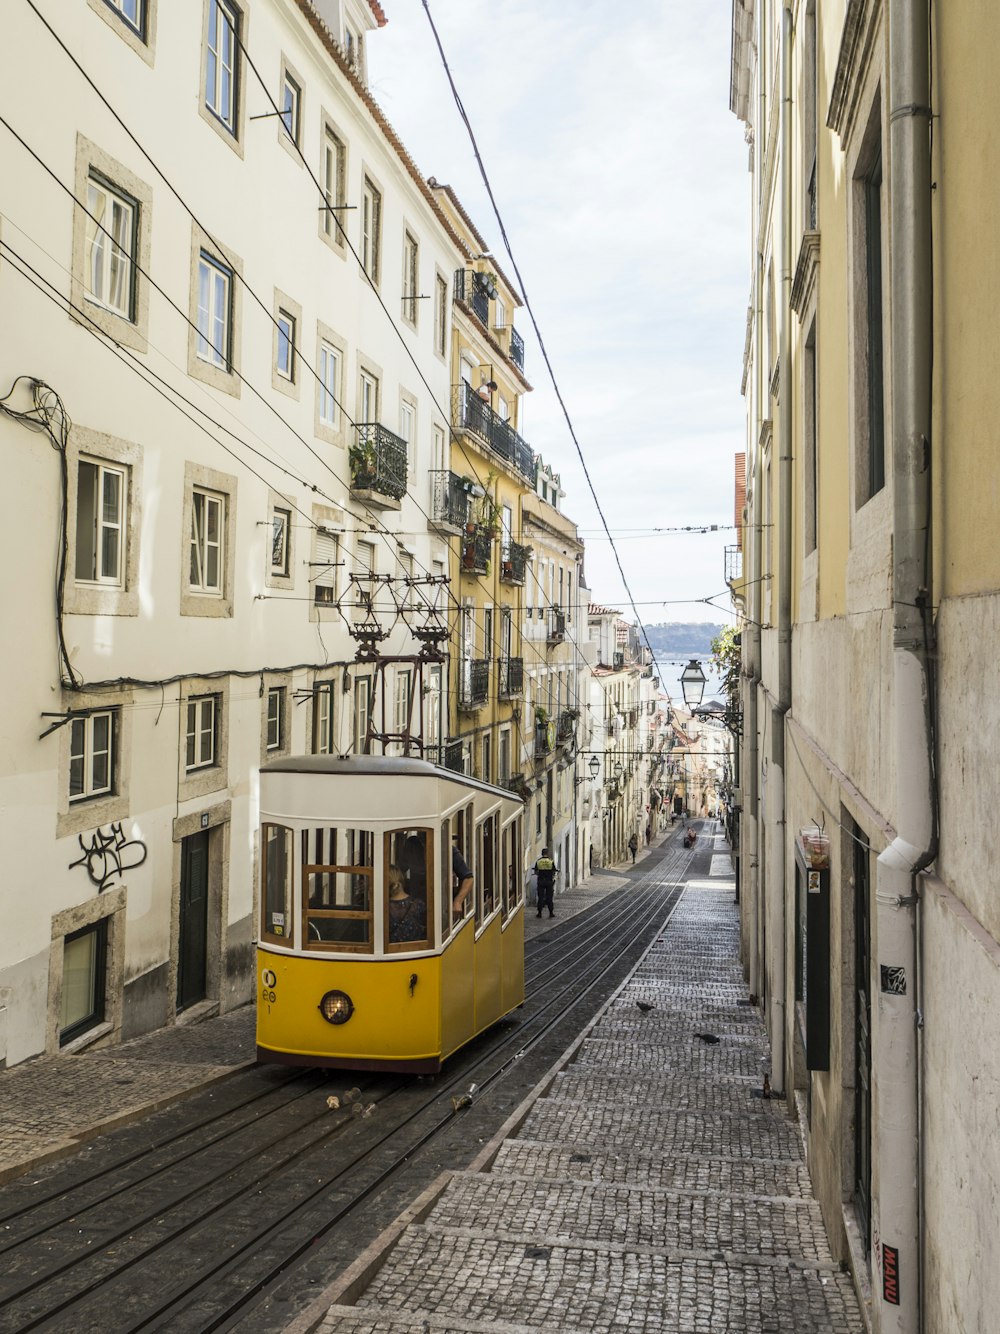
203 502
202 721
120 525
275 719
107 598
205 776
108 240
281 522
330 377
226 26
370 220
411 277
285 359
214 311
88 753
202 600
142 37
286 337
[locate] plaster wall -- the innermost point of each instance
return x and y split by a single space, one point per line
961 994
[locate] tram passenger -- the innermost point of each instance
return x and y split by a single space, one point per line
407 914
461 882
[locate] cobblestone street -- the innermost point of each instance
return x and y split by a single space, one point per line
647 1187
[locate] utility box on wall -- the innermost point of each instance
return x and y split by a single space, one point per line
812 946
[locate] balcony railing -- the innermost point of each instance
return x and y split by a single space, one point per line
618 661
513 562
567 726
511 677
516 348
472 413
474 289
451 755
477 547
555 630
378 461
543 740
449 500
734 564
474 688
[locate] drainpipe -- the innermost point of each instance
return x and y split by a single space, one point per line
776 853
895 1068
750 795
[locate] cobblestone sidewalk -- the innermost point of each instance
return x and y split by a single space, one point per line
651 1187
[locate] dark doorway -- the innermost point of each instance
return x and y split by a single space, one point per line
862 1042
193 931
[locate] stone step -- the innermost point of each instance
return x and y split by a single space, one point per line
668 1091
647 1167
691 1058
549 1213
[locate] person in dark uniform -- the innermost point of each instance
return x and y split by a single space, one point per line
545 872
633 847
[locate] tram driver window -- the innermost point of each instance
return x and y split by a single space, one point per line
276 896
408 879
337 879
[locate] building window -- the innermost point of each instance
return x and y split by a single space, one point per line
275 718
285 354
111 231
101 500
215 311
407 428
362 712
208 525
500 317
410 272
333 183
329 385
325 569
404 685
92 756
369 399
441 316
221 65
133 12
202 716
322 737
281 527
371 229
873 292
84 973
291 97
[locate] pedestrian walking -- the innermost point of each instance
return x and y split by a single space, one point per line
545 873
633 847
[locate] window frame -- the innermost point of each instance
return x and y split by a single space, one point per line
211 498
370 219
87 755
103 468
440 314
196 600
291 85
97 1014
324 716
410 277
284 363
112 243
196 708
275 719
331 225
232 17
329 352
281 521
219 359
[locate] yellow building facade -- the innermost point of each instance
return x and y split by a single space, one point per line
870 586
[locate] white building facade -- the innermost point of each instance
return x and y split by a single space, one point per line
228 393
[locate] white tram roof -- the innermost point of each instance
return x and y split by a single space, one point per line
351 789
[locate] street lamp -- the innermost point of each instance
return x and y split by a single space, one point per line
693 684
594 766
618 770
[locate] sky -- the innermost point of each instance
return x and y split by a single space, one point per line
622 180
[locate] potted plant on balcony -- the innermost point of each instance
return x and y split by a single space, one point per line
364 464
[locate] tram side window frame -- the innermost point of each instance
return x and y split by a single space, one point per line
358 843
427 941
266 898
511 873
486 859
464 841
447 889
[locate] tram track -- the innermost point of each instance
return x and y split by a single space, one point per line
212 1238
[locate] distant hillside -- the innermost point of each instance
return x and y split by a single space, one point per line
682 638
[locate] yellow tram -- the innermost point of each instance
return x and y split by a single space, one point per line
375 953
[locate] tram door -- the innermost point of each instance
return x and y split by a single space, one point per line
192 945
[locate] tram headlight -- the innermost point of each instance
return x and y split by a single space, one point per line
336 1007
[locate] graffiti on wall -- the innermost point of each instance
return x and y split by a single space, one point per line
107 853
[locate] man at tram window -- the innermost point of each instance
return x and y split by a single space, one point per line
545 872
461 881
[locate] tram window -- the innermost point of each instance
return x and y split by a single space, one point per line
337 881
276 896
446 881
408 879
506 870
464 848
486 868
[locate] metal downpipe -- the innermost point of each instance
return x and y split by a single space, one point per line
895 1071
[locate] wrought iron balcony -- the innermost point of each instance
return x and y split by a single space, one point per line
519 785
477 547
555 631
513 562
544 740
378 464
449 500
450 756
566 730
734 564
474 687
474 290
511 677
516 348
473 414
618 661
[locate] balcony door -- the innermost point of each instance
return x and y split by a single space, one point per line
369 398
